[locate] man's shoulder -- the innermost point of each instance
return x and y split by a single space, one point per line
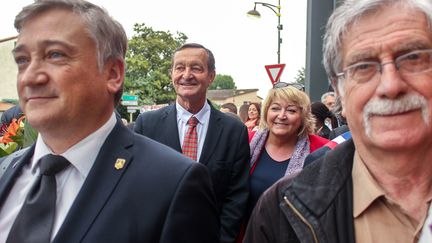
150 119
227 120
156 113
8 160
156 151
332 162
321 180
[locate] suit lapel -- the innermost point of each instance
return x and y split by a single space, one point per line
13 170
214 132
98 186
169 131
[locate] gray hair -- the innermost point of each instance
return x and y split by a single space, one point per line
346 15
324 96
108 35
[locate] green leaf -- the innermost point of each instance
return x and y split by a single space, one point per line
6 149
30 134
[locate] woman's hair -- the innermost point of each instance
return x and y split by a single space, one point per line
295 96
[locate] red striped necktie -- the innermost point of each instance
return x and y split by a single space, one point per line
190 142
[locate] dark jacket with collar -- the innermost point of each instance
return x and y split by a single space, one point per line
316 206
10 114
225 153
156 196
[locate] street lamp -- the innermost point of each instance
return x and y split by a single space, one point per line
276 9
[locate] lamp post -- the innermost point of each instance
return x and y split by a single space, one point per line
276 9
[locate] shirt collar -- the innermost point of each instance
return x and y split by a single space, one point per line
366 189
81 155
184 115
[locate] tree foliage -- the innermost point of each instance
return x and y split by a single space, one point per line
148 61
300 78
223 82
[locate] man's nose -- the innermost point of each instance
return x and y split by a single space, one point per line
33 74
391 84
187 74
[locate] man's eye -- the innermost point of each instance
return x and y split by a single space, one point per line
412 57
363 67
55 54
21 60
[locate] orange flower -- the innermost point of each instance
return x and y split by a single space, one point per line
12 130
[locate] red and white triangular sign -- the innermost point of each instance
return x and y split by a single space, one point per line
274 72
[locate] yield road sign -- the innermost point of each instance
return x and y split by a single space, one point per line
274 72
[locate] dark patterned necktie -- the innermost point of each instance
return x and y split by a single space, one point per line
35 220
190 142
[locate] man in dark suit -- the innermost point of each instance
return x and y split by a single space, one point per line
110 184
222 141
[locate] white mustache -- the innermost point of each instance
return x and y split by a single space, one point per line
389 107
384 106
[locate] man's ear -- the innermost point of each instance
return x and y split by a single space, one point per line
339 93
212 76
116 72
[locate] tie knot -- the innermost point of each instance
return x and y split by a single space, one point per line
193 121
52 164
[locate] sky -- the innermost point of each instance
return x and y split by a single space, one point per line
242 46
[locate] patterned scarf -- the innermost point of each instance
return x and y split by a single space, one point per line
302 149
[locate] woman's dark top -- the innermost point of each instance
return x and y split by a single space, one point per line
266 173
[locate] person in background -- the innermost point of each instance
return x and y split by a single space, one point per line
329 100
337 136
341 120
321 113
253 119
342 125
88 178
377 186
243 111
192 126
229 107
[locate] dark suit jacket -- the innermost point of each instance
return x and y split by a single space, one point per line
225 153
11 113
158 196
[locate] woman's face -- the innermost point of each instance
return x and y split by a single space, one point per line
253 112
284 118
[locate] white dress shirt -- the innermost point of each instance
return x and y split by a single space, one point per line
203 117
69 181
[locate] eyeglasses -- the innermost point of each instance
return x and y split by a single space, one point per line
414 62
283 85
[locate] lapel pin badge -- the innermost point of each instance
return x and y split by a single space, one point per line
119 164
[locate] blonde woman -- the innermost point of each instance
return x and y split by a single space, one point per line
284 138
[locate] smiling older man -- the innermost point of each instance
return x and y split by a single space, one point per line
195 128
376 187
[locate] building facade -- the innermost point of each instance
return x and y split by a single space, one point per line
8 73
